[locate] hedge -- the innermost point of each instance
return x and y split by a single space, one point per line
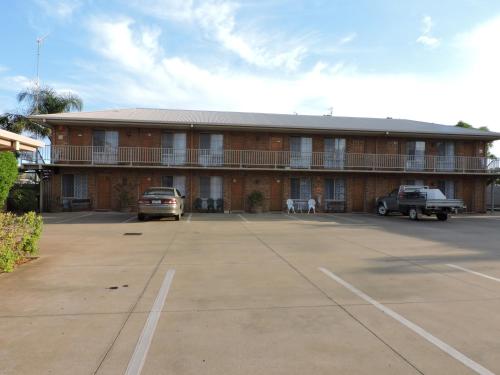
23 198
8 174
19 238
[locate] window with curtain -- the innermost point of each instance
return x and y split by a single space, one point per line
415 155
211 187
173 148
335 189
105 146
300 188
446 155
204 187
447 187
178 182
74 186
334 152
211 150
300 152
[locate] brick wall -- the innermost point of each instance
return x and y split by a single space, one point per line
359 186
151 137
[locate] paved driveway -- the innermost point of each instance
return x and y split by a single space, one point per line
255 294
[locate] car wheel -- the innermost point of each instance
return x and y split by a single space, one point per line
413 213
177 217
443 216
381 210
141 217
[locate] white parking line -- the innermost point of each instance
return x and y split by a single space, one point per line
474 272
73 218
189 218
415 328
142 347
243 218
129 219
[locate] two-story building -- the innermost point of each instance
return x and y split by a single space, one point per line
218 158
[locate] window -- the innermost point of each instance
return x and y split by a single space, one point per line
335 189
178 182
300 188
334 195
416 155
447 187
300 152
446 156
211 150
74 186
211 187
173 148
334 155
105 147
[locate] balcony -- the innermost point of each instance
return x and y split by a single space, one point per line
254 159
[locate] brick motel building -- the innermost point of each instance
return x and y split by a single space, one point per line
104 160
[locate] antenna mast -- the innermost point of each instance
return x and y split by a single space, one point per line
39 42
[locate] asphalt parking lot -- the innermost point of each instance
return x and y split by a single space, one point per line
255 294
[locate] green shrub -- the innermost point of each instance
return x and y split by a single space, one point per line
8 174
23 199
19 238
256 198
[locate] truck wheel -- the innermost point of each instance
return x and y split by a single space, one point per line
442 216
413 213
381 210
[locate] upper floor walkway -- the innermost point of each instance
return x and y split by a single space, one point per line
60 155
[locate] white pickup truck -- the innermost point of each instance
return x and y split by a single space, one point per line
416 200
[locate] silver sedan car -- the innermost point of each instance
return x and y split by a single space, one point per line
161 201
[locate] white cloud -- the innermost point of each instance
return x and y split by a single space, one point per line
426 38
61 9
347 39
217 20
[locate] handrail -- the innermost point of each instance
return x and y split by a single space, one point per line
207 158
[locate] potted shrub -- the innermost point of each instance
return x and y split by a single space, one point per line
125 197
256 201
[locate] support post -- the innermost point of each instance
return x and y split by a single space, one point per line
41 190
492 197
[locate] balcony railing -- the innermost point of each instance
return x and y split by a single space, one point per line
241 159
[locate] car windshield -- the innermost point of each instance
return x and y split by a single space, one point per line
168 192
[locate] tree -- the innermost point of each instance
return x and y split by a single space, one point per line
8 174
43 101
489 145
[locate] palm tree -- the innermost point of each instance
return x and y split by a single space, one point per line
43 101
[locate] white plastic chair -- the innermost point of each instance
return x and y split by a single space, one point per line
311 205
289 204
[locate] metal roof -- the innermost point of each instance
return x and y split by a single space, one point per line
146 116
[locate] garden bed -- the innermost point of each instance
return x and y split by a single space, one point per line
19 236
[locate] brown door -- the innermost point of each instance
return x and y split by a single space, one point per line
468 194
358 194
276 194
146 183
103 192
237 194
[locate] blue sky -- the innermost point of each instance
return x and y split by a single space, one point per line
425 60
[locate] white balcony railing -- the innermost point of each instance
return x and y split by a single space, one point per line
236 159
